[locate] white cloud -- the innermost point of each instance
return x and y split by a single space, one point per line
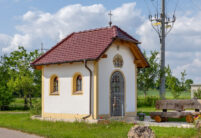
4 40
43 26
128 17
51 27
183 43
148 37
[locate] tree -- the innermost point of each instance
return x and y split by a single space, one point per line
24 81
174 84
183 75
175 87
6 96
147 76
188 83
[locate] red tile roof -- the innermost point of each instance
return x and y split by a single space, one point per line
86 45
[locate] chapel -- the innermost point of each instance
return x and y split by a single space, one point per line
91 74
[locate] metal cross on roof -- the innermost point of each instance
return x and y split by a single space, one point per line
110 14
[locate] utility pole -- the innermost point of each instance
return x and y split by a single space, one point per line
162 25
162 41
42 49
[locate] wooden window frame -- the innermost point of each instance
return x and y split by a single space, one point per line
52 85
74 84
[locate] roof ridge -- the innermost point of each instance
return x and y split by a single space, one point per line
68 36
96 29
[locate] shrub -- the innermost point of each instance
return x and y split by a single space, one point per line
36 108
176 92
197 94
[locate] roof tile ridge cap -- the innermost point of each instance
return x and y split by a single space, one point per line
67 37
92 30
127 34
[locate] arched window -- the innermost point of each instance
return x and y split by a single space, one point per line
118 61
54 85
77 84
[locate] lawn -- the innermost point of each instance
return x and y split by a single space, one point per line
168 95
63 129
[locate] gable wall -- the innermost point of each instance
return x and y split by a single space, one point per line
65 102
106 68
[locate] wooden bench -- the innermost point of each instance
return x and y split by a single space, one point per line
179 107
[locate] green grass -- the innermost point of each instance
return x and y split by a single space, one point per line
164 132
113 130
63 129
168 95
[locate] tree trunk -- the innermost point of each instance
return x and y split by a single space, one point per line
30 100
145 94
25 103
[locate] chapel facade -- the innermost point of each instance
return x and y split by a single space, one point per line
91 75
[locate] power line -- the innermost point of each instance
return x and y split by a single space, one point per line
162 24
176 6
147 7
155 6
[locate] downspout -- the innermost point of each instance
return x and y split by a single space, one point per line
90 84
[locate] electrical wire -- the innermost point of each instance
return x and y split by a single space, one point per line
155 6
176 6
147 7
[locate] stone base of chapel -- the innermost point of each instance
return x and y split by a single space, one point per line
129 116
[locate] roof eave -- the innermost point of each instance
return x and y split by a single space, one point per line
132 41
50 63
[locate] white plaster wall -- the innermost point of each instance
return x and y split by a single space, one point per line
106 68
66 102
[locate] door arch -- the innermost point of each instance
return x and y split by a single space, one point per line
117 94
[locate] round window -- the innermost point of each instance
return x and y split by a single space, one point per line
118 61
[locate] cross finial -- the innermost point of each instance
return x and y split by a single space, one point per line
110 15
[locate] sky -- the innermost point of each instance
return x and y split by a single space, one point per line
29 23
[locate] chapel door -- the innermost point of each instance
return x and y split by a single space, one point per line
117 94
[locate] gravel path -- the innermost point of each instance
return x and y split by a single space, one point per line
8 133
150 122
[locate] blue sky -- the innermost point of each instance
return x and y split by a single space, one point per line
30 22
10 10
16 8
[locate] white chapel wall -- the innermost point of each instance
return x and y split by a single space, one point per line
65 102
106 68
